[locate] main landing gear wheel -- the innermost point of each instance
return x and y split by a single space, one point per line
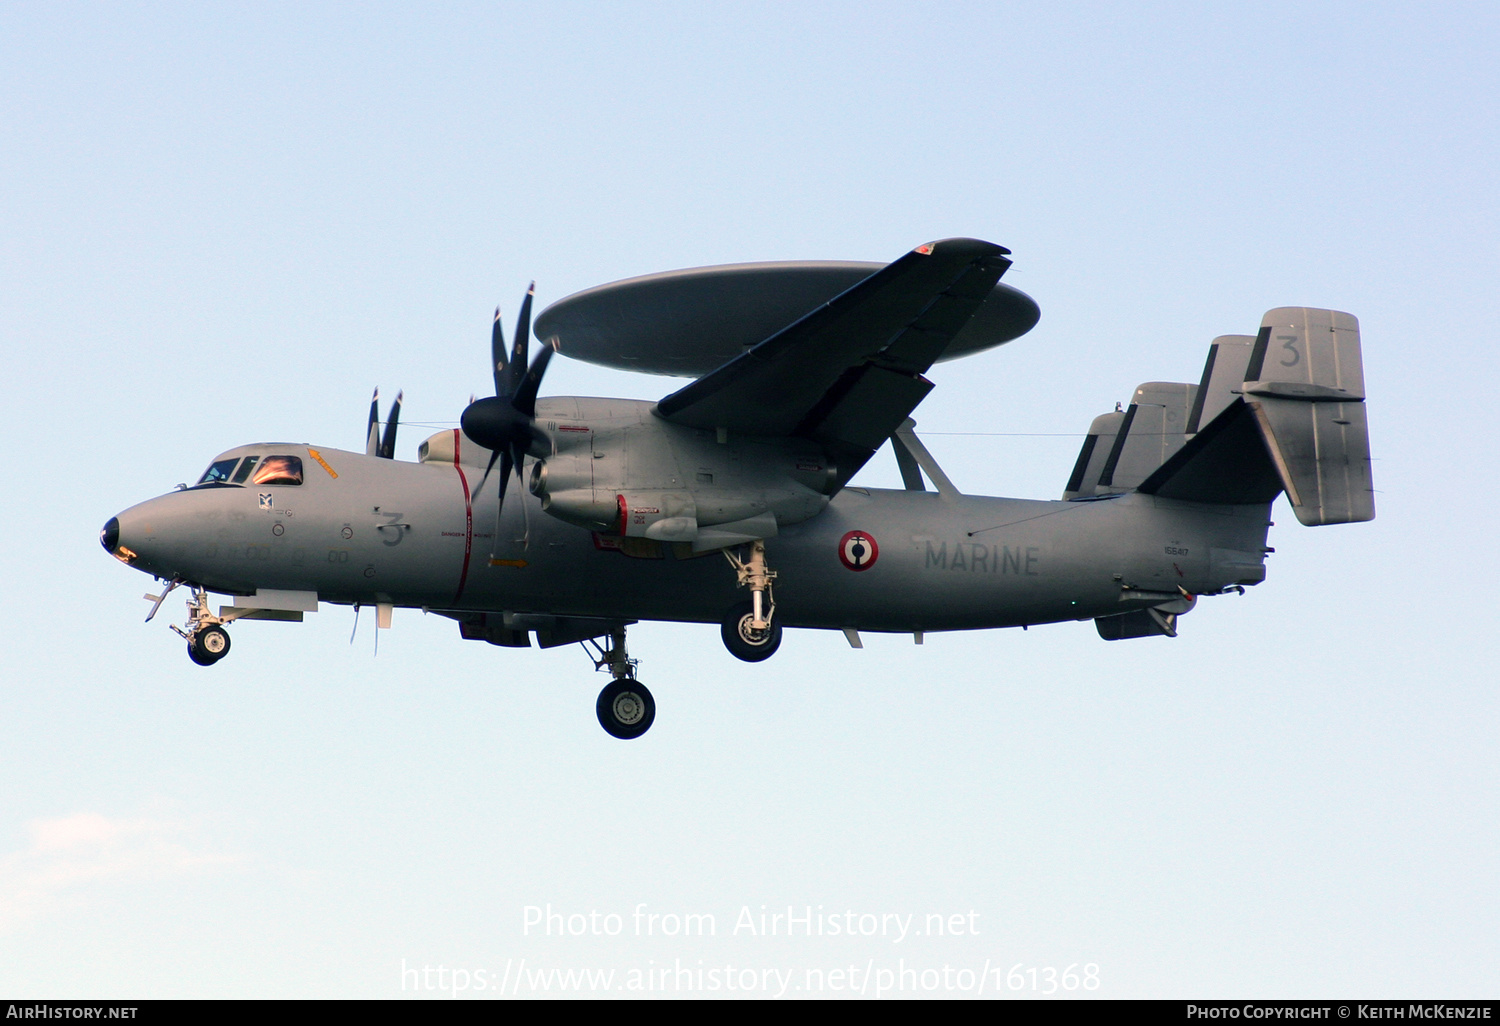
626 709
208 646
744 641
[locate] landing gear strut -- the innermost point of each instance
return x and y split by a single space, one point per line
207 640
748 631
625 708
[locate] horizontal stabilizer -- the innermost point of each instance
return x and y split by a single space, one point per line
1227 462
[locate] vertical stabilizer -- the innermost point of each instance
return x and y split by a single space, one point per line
1282 411
1084 481
1155 421
1305 385
1123 448
1223 374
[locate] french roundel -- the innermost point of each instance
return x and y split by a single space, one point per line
858 551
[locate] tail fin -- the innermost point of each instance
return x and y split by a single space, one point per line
1223 372
1298 423
1283 411
1122 448
1306 384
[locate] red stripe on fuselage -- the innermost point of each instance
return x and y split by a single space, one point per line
468 518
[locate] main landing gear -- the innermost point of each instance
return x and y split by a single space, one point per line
207 640
746 641
626 709
749 631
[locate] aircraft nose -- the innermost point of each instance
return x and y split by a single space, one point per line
143 535
110 536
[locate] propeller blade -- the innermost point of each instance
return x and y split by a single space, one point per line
525 398
489 467
521 344
497 354
517 460
388 440
505 462
505 465
372 429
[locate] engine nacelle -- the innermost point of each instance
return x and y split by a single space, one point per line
627 472
564 483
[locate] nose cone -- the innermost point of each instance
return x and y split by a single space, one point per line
154 536
124 535
110 536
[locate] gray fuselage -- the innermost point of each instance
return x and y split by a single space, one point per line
370 530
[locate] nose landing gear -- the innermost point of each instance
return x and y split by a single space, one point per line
207 640
208 646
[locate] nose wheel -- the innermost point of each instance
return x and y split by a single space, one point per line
207 640
208 646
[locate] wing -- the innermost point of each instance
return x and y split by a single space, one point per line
850 372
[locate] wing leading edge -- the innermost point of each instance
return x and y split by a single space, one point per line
849 373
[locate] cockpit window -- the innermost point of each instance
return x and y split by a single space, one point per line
219 472
245 468
284 470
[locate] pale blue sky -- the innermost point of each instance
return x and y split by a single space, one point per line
225 223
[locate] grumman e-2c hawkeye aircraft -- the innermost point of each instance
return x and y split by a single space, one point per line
680 509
